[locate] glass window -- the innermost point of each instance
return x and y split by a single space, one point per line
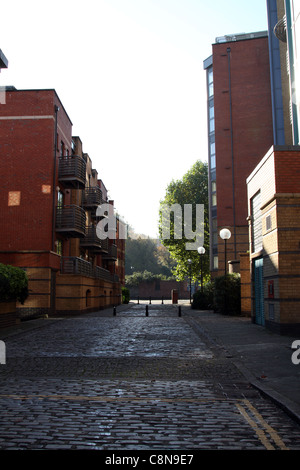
213 161
62 149
58 244
60 199
216 262
210 82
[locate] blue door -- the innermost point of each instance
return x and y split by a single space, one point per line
259 291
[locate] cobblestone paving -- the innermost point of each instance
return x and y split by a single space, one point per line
131 382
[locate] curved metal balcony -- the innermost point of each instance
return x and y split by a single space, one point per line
112 253
72 172
70 221
92 198
92 242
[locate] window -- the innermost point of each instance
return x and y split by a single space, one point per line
216 262
58 245
210 82
60 199
211 116
213 193
256 223
212 150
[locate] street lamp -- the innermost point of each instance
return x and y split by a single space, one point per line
225 234
201 251
190 264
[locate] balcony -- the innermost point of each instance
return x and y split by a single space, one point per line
74 265
112 253
70 221
92 242
78 266
92 198
72 172
101 273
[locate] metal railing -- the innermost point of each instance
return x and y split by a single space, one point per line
76 265
72 170
112 252
71 220
92 197
101 273
92 241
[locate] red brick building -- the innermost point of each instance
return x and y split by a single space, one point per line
49 194
274 208
274 185
240 131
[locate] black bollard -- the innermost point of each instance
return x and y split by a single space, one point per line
115 311
179 311
138 300
149 300
162 300
146 310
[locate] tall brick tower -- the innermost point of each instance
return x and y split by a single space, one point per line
240 132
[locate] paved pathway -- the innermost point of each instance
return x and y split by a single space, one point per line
131 382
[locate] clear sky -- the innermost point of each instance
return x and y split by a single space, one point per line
130 75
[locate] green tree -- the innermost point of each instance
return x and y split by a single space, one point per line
191 189
145 254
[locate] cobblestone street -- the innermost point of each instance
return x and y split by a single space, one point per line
132 382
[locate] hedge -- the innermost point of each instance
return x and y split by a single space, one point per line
125 295
204 300
13 284
222 295
227 294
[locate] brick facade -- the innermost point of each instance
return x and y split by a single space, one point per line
277 179
241 134
48 195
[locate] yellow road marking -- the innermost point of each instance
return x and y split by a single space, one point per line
260 426
264 427
278 441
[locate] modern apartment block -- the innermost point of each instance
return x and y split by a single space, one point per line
239 132
49 195
274 185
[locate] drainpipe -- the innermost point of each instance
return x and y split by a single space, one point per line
232 156
56 109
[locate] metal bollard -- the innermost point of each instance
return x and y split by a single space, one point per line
149 300
179 311
146 310
115 311
162 300
138 301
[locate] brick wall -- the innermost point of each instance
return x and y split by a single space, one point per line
277 177
159 289
27 134
79 294
251 120
245 284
